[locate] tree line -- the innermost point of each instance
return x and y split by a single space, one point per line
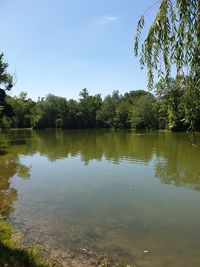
137 109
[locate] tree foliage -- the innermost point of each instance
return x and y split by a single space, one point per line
173 40
135 109
143 114
114 111
6 83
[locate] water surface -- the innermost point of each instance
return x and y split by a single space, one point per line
115 192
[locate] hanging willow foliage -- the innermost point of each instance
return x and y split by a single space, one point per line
174 40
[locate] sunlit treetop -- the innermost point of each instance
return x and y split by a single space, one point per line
6 79
6 84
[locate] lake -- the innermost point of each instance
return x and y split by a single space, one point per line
133 196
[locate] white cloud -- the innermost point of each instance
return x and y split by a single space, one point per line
107 19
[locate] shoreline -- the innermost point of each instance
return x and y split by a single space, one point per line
13 252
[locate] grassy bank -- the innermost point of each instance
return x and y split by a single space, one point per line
12 253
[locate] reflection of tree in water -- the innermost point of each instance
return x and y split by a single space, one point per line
96 144
178 161
9 167
89 144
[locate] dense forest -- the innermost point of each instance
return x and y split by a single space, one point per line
136 109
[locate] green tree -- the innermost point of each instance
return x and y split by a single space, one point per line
50 112
22 107
133 96
122 115
72 120
107 114
6 83
88 108
171 111
174 40
143 113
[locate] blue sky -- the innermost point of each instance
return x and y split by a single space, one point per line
63 46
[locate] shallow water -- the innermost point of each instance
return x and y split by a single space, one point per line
134 196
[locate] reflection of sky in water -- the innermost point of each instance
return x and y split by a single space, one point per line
92 195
